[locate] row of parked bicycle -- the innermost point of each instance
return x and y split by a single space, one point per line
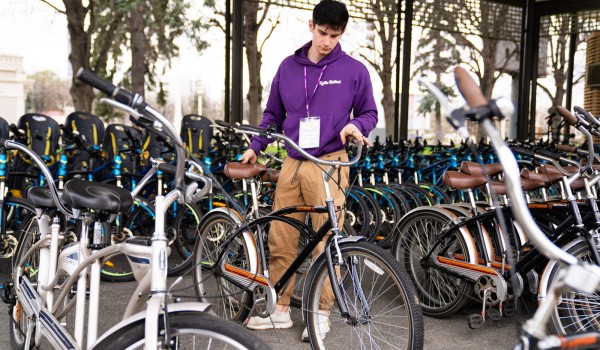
417 237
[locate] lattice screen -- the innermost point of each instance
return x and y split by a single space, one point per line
591 96
580 22
482 18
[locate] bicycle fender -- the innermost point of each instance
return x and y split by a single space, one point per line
247 235
231 212
173 309
545 278
453 219
352 239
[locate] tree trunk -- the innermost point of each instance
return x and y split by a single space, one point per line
253 58
82 94
138 49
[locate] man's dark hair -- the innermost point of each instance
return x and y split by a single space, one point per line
331 13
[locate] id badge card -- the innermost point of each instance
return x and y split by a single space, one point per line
310 132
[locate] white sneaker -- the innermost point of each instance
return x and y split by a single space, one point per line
280 319
323 327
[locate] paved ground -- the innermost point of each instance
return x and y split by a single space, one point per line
440 334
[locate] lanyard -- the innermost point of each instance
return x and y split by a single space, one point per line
314 91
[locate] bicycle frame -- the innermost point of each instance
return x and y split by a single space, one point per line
39 303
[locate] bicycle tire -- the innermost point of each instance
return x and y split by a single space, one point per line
439 294
435 192
29 234
577 312
182 230
12 215
374 210
390 213
138 222
381 302
206 331
357 213
229 301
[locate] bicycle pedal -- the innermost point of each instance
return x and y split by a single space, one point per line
509 310
493 314
475 321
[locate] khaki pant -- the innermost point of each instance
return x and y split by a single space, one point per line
301 183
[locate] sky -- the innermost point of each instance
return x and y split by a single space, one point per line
38 33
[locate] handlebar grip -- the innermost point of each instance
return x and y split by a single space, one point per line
468 88
523 151
586 115
566 148
119 94
567 116
251 128
548 154
91 79
222 123
167 168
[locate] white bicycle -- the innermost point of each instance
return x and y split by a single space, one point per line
46 267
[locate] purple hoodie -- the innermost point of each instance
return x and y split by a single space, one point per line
344 88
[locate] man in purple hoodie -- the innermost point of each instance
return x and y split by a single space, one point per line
313 96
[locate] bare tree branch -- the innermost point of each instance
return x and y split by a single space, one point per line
54 7
273 25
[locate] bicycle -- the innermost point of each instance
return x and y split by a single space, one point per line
150 321
576 275
383 310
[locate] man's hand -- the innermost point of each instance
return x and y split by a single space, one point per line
249 157
350 130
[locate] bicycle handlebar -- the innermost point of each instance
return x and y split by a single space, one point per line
10 144
253 130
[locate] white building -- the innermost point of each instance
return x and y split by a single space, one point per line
12 88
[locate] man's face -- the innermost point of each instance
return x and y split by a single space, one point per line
324 38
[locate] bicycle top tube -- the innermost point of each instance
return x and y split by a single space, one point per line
252 130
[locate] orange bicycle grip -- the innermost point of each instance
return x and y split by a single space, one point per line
567 116
468 88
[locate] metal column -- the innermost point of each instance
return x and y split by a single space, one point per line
237 71
406 58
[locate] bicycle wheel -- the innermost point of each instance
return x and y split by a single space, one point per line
187 330
14 213
29 235
439 293
576 312
357 213
182 229
375 216
381 301
296 298
139 221
390 214
435 193
229 300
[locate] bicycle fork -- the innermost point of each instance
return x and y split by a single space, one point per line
333 269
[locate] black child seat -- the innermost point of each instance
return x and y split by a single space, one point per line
116 141
4 129
196 133
91 129
42 134
89 126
